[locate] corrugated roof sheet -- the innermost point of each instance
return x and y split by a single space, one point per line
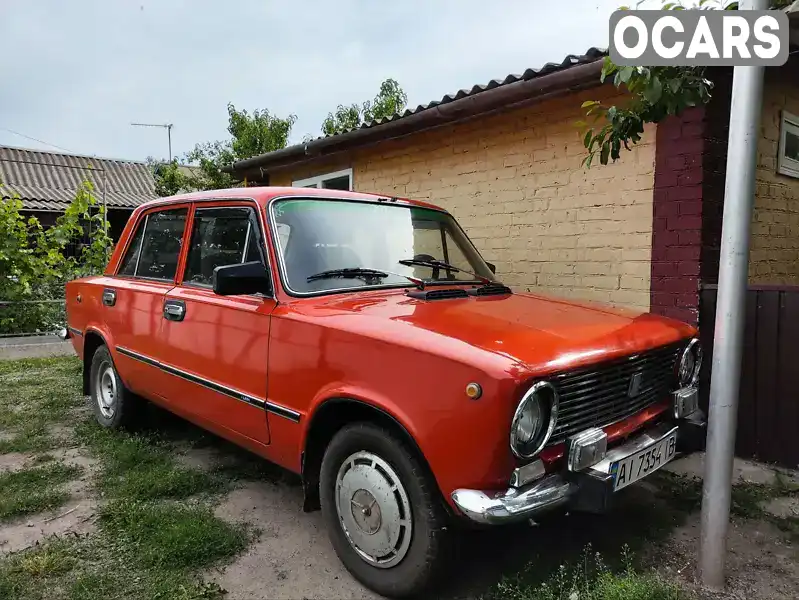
572 60
49 180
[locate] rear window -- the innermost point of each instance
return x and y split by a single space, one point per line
155 248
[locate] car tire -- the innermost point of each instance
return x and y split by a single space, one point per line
399 548
113 404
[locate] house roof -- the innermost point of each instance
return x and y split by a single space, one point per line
510 91
49 180
572 60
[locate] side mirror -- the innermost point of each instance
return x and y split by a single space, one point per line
493 267
245 278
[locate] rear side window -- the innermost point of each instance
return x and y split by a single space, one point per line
132 255
155 248
219 237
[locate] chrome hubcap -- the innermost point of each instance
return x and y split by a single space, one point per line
106 390
373 509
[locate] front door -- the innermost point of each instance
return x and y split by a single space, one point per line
216 347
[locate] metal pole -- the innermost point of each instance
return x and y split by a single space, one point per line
169 135
745 114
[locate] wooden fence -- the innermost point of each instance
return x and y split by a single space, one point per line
768 406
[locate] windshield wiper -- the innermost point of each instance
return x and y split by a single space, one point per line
440 264
361 273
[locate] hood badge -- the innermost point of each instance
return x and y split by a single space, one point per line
635 384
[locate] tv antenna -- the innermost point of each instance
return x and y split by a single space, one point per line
167 126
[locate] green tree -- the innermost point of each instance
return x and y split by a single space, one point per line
33 263
250 135
390 100
169 179
655 93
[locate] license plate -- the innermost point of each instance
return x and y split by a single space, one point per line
637 466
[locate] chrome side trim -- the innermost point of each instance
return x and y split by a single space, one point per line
282 411
291 415
213 385
136 356
75 331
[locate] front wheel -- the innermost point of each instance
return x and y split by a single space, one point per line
382 511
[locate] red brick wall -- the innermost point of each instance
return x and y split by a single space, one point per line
677 212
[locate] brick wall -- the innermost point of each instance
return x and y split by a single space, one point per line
677 225
515 183
774 246
717 127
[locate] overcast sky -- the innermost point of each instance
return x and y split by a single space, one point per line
76 73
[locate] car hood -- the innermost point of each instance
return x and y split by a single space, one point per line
540 333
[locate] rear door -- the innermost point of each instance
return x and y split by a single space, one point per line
216 347
133 302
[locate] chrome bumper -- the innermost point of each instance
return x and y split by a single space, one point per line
589 490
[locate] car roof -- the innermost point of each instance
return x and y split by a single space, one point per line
263 195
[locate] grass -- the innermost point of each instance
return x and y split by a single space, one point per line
155 530
591 579
33 490
95 568
172 536
36 394
142 467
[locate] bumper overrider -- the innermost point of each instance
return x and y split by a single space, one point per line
589 487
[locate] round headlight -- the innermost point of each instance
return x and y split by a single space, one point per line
690 363
534 420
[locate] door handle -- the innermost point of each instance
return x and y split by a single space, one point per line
174 310
109 297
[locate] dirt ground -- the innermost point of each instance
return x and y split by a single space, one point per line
291 558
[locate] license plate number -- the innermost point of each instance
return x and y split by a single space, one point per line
637 466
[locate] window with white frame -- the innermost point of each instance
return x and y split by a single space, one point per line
788 160
338 180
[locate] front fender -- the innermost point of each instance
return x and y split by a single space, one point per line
359 393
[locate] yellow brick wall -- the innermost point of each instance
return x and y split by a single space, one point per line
774 246
515 183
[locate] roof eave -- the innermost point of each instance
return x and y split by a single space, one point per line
501 98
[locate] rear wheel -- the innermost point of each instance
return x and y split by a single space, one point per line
382 511
113 404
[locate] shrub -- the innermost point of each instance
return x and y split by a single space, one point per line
34 265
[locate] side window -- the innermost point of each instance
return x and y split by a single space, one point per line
131 259
160 247
221 236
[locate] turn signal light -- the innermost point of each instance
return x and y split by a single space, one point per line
686 402
586 448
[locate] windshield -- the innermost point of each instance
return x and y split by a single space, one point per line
314 236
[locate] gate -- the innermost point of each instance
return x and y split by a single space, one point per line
768 404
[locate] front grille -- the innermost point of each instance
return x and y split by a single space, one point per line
597 396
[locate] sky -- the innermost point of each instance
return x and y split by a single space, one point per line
76 73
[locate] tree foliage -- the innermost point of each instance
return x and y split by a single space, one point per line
169 178
655 93
250 135
34 265
390 100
